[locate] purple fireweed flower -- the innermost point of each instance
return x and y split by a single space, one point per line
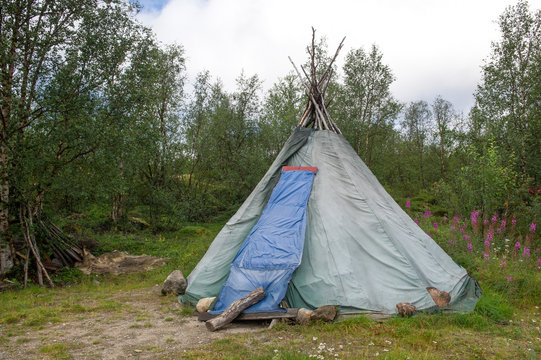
486 256
452 228
416 221
429 234
517 245
526 252
509 278
470 247
503 264
503 223
461 229
408 204
466 237
490 236
514 221
485 221
436 225
499 230
533 227
487 243
539 261
428 213
456 219
474 216
494 218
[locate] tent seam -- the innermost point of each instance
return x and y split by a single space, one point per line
329 248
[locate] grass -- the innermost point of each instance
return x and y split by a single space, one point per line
505 323
420 337
56 351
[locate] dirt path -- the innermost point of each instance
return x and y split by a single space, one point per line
147 326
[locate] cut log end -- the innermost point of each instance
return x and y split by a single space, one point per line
441 298
405 309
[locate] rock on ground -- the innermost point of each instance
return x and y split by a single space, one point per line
204 304
175 283
325 313
304 316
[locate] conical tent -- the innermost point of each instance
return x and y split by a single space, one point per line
361 251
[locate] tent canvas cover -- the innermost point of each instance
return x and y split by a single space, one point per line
361 251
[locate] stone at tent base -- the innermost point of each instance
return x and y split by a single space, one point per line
304 316
175 283
441 298
322 313
325 313
405 309
204 304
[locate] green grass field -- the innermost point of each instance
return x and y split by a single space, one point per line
505 324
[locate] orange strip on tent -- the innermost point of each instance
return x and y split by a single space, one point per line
305 168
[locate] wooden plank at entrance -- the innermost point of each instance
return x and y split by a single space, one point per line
288 314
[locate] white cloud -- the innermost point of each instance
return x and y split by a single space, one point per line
433 47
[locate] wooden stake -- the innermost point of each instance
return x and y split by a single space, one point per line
316 89
33 247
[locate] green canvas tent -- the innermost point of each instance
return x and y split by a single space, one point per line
362 252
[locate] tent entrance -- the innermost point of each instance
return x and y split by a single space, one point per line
273 250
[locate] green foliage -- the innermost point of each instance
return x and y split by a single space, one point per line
493 307
67 275
487 182
508 96
367 109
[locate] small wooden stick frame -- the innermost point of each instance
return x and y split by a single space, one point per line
316 111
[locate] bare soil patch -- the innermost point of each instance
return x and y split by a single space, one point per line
147 326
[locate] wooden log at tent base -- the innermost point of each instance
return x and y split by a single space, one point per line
290 313
235 309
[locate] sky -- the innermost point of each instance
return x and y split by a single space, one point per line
433 47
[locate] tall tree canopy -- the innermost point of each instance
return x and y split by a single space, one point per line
509 96
368 107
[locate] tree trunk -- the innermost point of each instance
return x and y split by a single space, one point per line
421 167
6 255
442 156
367 147
117 208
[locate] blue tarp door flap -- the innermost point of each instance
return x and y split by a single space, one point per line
273 249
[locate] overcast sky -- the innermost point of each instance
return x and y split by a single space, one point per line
434 47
